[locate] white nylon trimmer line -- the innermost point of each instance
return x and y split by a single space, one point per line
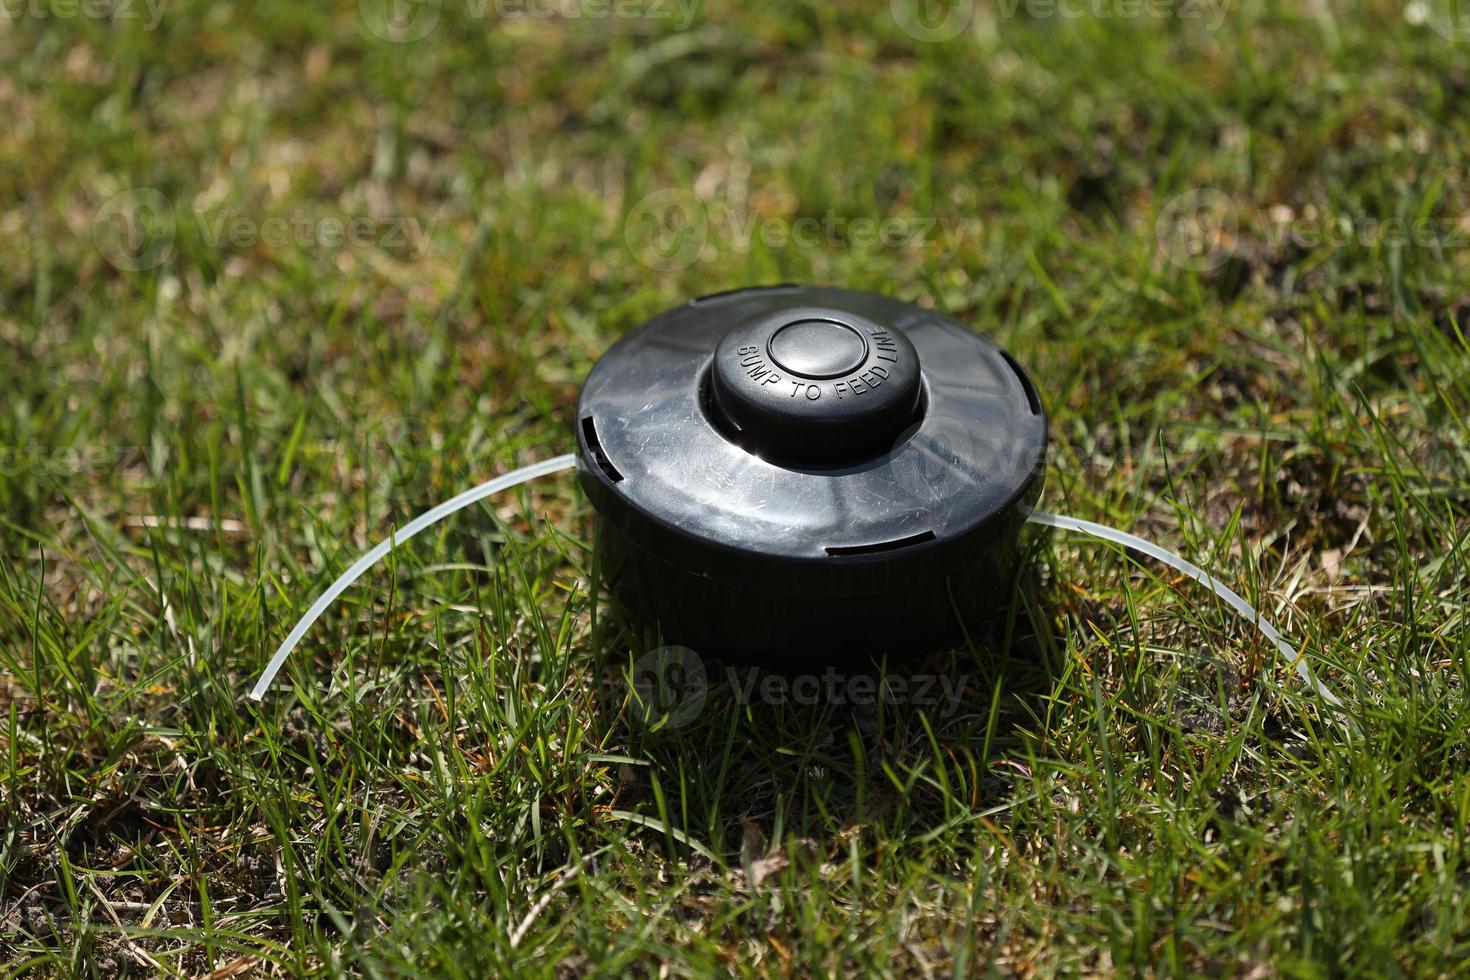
1245 610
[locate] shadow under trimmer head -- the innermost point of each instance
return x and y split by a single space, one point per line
799 475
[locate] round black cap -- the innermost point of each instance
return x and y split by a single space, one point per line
815 384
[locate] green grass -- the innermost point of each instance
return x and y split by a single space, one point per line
449 779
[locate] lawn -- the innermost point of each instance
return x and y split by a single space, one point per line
275 277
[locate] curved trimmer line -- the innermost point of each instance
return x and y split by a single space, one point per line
427 519
526 473
1232 599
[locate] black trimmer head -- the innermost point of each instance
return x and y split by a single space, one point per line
797 474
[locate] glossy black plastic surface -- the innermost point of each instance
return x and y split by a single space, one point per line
810 385
751 518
